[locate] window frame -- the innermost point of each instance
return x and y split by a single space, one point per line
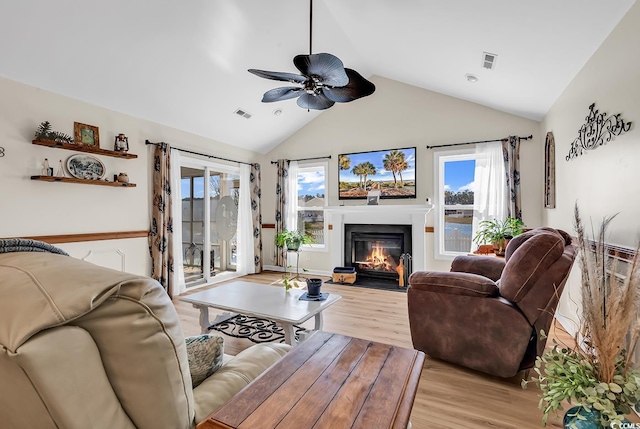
440 158
315 247
207 166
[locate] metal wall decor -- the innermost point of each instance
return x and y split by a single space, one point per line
1 152
598 130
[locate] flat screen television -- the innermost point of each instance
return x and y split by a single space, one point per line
392 172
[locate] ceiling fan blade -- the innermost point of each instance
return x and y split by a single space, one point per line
327 67
287 77
314 102
356 88
284 93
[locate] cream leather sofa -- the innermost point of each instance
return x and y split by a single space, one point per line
83 346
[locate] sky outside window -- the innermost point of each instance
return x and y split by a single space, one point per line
311 181
458 175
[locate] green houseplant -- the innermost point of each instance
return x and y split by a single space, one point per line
498 233
596 372
291 240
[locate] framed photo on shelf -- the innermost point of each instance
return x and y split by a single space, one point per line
86 134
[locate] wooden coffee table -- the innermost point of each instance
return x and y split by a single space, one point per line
330 381
259 300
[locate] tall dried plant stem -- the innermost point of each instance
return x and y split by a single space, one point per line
609 307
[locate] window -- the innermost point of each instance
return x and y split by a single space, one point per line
455 172
311 183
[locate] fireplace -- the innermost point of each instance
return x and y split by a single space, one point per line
376 250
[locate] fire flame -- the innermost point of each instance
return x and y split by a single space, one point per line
378 259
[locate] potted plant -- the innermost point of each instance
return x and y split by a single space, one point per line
292 240
498 233
596 373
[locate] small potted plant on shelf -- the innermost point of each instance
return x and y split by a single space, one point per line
498 233
596 372
292 240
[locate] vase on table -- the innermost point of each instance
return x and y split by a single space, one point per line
313 287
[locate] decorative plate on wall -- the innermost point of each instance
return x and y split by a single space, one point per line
83 166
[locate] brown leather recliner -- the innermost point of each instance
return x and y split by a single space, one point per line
487 313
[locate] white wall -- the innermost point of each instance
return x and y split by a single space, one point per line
399 115
30 208
605 180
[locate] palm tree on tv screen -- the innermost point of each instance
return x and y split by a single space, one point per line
344 162
358 170
368 170
395 163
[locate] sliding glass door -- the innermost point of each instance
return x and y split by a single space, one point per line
209 219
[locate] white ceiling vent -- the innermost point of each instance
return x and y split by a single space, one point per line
489 60
243 113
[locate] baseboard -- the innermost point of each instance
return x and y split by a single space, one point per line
302 273
568 324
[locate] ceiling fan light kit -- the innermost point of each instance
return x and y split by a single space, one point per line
324 80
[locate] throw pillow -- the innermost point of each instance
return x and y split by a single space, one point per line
205 353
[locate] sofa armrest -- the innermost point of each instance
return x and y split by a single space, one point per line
234 375
453 283
487 266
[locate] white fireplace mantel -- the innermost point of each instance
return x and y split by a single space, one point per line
414 215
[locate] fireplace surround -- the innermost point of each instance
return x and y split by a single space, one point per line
396 214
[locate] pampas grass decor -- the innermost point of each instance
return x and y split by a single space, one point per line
609 323
596 373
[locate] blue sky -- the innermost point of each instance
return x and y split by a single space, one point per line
458 175
310 181
376 159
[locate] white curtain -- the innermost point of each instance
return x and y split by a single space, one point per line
176 200
291 222
490 195
245 224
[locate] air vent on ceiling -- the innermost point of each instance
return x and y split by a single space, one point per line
489 60
243 113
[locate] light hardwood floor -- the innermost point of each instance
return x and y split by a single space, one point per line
448 396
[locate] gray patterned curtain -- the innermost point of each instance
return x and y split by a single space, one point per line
511 154
256 215
282 193
161 232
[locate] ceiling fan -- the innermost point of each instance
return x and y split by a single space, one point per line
324 80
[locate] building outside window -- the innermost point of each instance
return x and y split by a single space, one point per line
311 184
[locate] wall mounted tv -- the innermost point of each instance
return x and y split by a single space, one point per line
392 172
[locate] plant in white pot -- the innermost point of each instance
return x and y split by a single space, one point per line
596 372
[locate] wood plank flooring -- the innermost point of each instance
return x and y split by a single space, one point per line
448 396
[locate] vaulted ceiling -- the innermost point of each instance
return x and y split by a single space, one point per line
184 63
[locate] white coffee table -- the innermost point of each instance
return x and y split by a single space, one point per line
259 300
